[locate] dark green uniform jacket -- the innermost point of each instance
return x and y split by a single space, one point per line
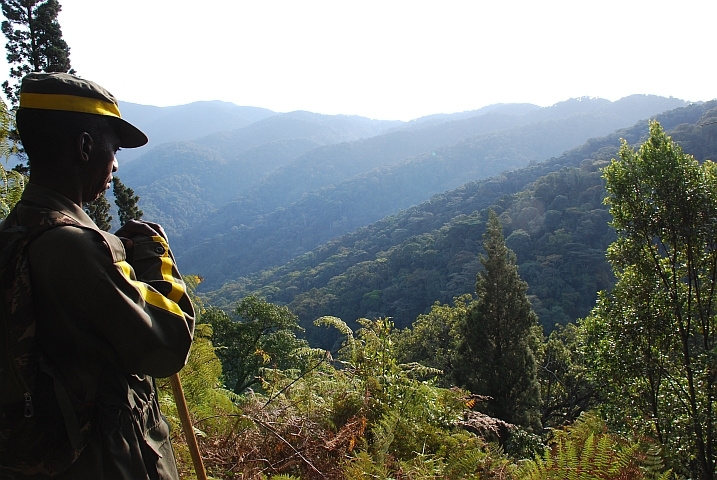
108 321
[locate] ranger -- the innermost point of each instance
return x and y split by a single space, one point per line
111 311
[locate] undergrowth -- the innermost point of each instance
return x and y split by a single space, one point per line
361 415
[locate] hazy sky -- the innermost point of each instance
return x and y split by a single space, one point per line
392 59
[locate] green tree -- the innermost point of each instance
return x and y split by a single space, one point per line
34 41
126 202
433 339
495 356
99 212
565 386
261 334
34 44
652 342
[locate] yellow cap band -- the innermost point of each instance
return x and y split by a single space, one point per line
68 103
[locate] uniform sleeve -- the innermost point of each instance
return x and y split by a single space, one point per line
137 307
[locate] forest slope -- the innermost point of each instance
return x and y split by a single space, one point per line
264 228
259 163
553 216
186 122
180 183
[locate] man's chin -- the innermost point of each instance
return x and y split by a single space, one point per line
93 198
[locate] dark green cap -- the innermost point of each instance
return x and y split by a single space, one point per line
65 92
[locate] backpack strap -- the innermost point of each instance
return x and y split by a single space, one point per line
19 234
16 278
69 415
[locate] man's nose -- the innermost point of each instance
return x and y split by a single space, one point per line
115 165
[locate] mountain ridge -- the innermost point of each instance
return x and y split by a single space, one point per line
278 199
399 265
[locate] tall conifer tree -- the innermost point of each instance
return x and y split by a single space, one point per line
495 357
99 211
35 44
126 202
34 41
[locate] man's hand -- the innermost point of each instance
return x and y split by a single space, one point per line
139 227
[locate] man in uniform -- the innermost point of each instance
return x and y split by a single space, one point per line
111 311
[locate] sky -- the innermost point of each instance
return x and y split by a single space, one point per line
391 59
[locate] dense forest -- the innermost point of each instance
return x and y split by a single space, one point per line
254 240
554 219
204 191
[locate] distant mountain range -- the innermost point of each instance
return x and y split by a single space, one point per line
186 122
243 189
553 219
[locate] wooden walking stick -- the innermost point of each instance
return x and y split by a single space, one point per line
187 428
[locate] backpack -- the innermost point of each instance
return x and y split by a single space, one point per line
42 429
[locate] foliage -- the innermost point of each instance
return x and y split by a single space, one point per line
34 41
192 282
566 388
651 341
126 202
366 416
210 408
7 125
12 184
260 335
495 354
586 451
99 211
434 337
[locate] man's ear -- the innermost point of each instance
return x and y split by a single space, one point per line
85 144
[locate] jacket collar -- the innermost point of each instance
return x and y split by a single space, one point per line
50 199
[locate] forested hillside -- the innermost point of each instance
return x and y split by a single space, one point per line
323 129
553 216
191 180
186 122
182 182
333 190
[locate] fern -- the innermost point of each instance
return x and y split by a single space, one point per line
312 353
653 466
384 433
363 467
415 368
12 184
423 467
337 323
585 451
465 463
